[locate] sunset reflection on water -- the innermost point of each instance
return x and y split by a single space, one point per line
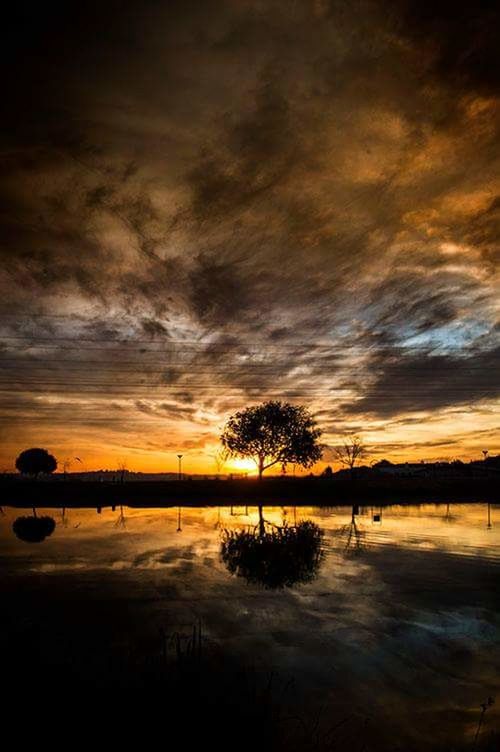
400 616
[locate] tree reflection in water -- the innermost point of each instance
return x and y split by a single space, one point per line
274 556
120 520
33 529
352 535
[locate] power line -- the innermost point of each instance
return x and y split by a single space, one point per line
288 370
258 391
213 346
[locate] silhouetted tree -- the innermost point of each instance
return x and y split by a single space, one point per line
276 558
219 459
273 433
33 529
350 452
122 469
327 472
35 461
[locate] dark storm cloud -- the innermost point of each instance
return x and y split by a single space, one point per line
426 381
257 179
218 291
153 327
255 153
421 301
482 233
462 38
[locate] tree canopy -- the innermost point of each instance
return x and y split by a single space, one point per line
273 433
35 461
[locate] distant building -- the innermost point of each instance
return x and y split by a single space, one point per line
405 469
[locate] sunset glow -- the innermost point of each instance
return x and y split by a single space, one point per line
250 374
249 202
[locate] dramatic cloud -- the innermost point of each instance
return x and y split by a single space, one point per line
209 204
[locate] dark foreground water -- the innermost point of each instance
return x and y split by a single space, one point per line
362 629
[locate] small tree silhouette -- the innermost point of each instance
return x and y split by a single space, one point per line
35 461
122 469
273 433
219 460
350 452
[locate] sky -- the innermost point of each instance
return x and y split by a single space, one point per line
205 205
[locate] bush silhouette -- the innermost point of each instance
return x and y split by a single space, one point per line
35 461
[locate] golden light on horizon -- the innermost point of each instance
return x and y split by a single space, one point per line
241 465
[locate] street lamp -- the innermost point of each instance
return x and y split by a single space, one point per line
66 465
179 456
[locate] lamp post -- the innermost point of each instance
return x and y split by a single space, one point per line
66 465
179 457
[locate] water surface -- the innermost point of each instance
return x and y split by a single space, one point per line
393 632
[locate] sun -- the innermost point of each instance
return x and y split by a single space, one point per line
243 466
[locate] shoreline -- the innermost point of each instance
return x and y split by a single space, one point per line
300 492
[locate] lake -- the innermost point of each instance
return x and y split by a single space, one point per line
363 628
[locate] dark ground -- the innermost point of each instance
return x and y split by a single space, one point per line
300 491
